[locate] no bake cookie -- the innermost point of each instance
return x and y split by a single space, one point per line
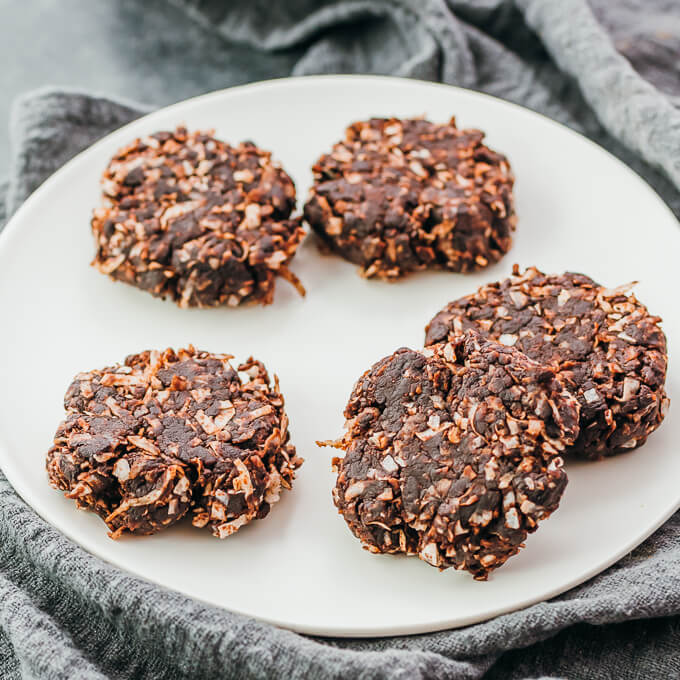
170 433
398 196
189 217
603 343
453 453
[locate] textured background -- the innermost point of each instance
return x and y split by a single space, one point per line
148 51
151 51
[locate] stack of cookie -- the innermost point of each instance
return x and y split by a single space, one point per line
454 453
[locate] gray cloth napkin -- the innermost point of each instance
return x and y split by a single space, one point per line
66 614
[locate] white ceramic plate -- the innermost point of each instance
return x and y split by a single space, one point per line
579 209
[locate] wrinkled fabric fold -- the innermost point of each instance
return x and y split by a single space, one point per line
70 615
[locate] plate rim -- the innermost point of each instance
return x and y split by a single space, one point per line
285 80
12 227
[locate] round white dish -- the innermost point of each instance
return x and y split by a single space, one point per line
579 209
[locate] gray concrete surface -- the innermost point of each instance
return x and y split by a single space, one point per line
121 47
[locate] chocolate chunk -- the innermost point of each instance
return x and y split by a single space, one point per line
170 433
398 196
452 453
603 343
188 217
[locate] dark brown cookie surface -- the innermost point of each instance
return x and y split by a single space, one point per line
398 196
188 217
453 453
167 433
604 344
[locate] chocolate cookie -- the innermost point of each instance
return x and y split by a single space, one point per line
603 343
169 432
398 196
191 218
453 453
